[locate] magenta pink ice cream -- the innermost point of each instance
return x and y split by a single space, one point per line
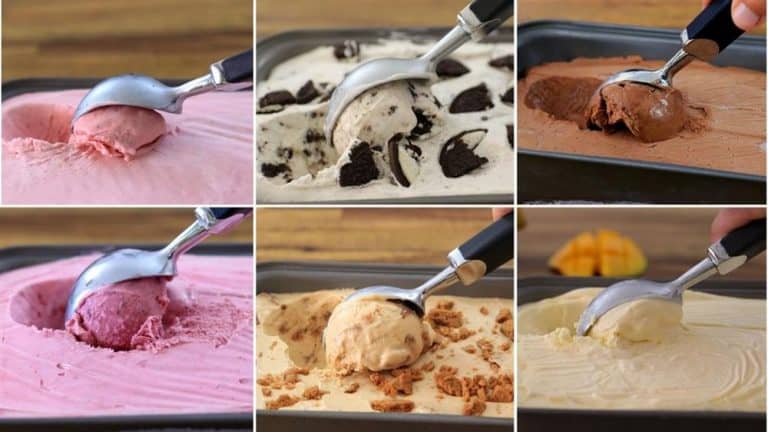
201 362
123 316
124 155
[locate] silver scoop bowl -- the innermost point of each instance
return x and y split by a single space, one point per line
475 21
728 254
480 255
127 264
704 38
231 74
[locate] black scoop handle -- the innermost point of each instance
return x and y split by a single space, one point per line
494 245
225 212
492 13
716 24
239 67
748 240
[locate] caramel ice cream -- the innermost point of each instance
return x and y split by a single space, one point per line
459 361
643 356
715 117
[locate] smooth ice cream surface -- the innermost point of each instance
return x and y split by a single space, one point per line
462 366
122 316
125 155
374 335
640 356
713 119
449 137
201 362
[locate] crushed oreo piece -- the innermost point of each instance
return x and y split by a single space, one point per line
349 49
507 61
313 135
509 96
275 101
473 99
361 167
404 158
450 68
511 135
423 124
457 157
307 93
273 170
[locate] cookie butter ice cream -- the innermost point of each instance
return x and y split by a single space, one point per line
643 356
380 356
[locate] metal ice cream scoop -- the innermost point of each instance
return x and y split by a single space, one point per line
230 74
476 21
127 264
480 255
728 254
704 38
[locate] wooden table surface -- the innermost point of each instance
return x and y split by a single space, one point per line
25 227
94 38
381 235
672 239
655 13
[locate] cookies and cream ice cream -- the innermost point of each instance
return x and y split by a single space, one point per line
403 139
714 118
375 335
641 356
458 360
124 155
202 362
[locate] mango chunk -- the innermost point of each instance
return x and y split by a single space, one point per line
606 253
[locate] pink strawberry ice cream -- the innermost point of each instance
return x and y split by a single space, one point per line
118 131
123 316
200 362
127 156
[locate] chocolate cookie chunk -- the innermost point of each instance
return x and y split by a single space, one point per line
473 99
275 101
274 170
349 49
507 61
361 167
457 157
509 96
450 68
307 93
424 124
404 159
511 135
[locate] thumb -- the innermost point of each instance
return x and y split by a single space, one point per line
747 14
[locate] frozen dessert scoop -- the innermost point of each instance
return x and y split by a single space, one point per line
233 73
728 254
476 21
137 265
704 38
480 255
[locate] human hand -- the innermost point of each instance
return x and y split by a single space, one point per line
729 219
747 14
498 212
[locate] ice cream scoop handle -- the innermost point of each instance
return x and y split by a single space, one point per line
748 240
494 245
490 13
714 23
239 67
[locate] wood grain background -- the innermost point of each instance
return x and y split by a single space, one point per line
25 227
673 239
97 38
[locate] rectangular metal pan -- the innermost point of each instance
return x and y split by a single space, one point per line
296 277
544 419
276 49
17 257
541 174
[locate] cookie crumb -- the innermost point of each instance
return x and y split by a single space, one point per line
392 405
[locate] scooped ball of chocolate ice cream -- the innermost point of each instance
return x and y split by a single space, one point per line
649 113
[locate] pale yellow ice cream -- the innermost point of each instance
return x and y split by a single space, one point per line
374 334
639 357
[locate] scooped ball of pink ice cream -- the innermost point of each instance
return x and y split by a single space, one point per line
118 131
123 316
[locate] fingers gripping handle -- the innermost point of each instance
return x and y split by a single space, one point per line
711 31
493 246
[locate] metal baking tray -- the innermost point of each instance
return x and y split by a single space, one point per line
17 257
541 174
545 419
276 49
299 276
